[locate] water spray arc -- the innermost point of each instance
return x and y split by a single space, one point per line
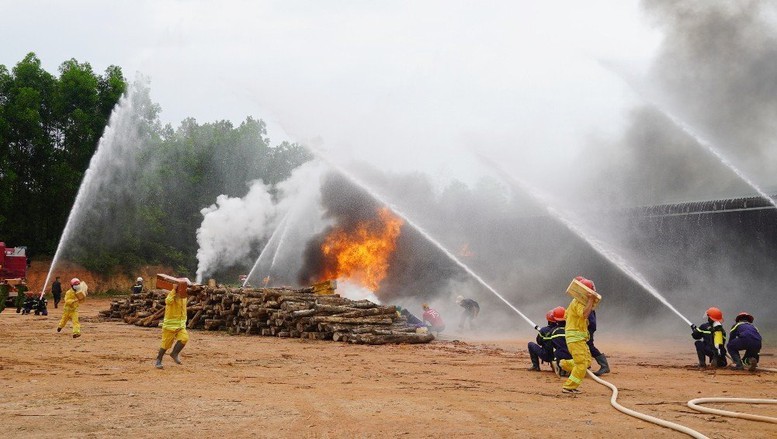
423 233
600 247
684 127
270 242
112 161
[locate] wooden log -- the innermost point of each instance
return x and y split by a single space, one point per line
373 339
358 320
381 310
196 319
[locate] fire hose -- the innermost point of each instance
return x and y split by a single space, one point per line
694 405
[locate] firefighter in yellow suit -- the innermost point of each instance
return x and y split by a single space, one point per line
70 310
173 327
576 334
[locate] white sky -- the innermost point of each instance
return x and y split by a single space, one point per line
410 83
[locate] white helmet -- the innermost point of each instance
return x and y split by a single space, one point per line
459 299
140 279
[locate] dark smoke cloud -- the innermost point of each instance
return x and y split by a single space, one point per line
718 67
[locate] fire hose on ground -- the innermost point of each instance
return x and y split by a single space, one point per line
694 405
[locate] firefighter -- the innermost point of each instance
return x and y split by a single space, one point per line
138 287
56 291
559 342
710 339
604 366
543 349
576 336
471 311
21 297
434 319
70 310
5 289
173 327
744 337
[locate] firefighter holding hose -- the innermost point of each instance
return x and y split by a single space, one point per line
543 349
576 334
174 325
710 339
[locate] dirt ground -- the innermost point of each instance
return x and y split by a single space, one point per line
104 384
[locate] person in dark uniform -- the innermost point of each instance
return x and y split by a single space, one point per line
471 311
543 349
710 339
56 291
744 337
138 287
559 342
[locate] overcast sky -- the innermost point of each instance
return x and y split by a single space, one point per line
377 81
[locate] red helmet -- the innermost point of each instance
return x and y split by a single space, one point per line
75 281
715 314
587 282
558 313
744 316
549 317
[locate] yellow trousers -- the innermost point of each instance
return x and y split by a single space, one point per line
70 315
169 336
578 365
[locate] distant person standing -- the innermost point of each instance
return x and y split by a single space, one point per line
21 296
434 319
56 291
138 287
471 311
5 289
70 310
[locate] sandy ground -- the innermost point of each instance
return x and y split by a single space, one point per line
104 384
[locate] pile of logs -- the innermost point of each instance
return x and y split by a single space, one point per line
280 312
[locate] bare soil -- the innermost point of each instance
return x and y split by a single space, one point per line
105 384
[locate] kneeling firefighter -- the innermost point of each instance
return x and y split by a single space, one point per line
710 339
744 336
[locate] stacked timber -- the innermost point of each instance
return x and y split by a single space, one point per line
314 313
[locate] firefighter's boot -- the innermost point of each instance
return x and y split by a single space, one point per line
702 360
604 367
535 362
753 365
737 360
177 350
159 357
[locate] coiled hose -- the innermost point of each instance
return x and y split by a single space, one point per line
614 402
694 405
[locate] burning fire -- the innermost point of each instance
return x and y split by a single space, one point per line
361 255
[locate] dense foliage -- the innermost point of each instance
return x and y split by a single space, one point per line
50 128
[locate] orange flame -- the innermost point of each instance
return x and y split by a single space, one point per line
361 255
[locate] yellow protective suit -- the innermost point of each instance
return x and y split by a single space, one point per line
174 324
70 312
576 334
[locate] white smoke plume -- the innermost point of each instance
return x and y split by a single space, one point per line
230 227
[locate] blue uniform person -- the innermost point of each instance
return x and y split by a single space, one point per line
744 337
604 367
558 341
543 349
710 339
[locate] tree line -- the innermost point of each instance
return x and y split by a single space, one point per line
50 127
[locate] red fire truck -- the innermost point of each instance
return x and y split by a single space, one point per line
13 267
